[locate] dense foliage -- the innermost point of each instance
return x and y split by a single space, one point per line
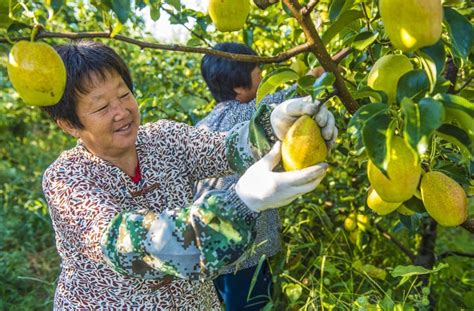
322 265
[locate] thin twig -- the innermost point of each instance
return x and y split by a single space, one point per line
187 28
307 9
455 253
391 238
464 85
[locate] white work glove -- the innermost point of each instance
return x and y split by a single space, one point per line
260 188
286 113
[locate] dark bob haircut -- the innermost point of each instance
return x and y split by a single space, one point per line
83 61
222 75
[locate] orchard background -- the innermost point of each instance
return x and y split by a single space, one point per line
394 262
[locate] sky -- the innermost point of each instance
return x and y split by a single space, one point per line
166 33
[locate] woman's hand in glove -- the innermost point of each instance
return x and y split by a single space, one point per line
260 188
286 113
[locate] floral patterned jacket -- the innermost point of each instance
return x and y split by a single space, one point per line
147 246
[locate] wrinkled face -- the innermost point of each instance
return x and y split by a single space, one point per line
245 95
109 113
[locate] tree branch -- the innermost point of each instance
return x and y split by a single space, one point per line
391 238
455 253
426 256
308 8
451 74
317 48
170 47
464 85
263 4
469 224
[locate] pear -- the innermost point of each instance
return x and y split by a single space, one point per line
350 223
412 24
386 72
378 205
303 145
444 199
37 73
403 169
229 15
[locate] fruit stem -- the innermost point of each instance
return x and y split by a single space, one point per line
34 32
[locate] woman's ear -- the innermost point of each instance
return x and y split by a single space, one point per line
243 94
68 128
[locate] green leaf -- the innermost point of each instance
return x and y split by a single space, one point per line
122 9
362 115
458 137
437 54
248 36
363 40
410 270
174 3
5 20
273 80
375 96
415 205
460 111
376 135
429 67
343 21
421 120
414 84
254 277
460 31
456 102
155 13
327 79
306 81
54 4
337 7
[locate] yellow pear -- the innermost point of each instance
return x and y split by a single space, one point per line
37 73
229 15
403 169
378 205
412 24
303 145
444 199
386 72
350 223
362 222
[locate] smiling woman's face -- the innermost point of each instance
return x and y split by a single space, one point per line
109 113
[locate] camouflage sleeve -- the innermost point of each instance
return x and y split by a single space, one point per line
248 141
192 243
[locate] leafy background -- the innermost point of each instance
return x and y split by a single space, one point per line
321 265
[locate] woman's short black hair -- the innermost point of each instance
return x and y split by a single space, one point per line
85 60
222 75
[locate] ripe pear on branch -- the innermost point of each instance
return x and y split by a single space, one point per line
412 24
37 73
403 170
303 145
378 205
386 72
229 15
444 199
